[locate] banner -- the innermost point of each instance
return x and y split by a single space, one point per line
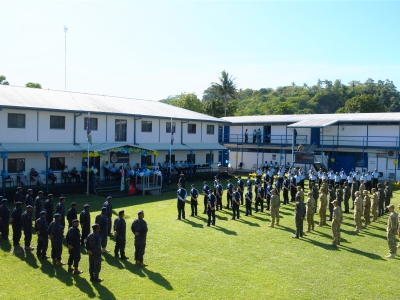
304 157
119 157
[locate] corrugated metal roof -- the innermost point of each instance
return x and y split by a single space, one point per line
107 146
22 97
180 147
206 146
40 147
310 123
355 117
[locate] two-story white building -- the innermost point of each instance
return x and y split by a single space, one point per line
365 141
35 121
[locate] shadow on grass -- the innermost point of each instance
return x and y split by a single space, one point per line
220 217
258 218
5 245
143 272
194 224
248 222
104 293
113 261
319 244
226 231
28 257
284 228
363 253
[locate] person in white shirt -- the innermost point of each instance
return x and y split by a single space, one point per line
331 178
337 178
368 180
259 172
357 176
375 176
343 177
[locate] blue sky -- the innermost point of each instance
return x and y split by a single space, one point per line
150 50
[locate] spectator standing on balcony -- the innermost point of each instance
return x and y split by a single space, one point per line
246 136
254 136
259 136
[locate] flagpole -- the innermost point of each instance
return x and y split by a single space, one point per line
87 162
170 155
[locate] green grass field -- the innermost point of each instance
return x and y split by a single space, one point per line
241 259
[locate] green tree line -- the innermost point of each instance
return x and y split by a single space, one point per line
325 97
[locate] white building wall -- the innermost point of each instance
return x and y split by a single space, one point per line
383 135
99 135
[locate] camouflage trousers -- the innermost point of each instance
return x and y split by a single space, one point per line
367 214
391 237
357 219
374 211
274 214
335 233
322 216
310 220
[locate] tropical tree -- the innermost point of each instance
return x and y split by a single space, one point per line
3 80
226 88
362 104
33 85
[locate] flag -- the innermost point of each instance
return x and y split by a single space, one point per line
89 130
123 179
172 133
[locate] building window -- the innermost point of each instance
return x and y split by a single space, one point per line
147 126
210 158
191 158
148 160
57 163
16 121
168 129
120 130
191 128
167 158
93 123
210 129
16 165
57 122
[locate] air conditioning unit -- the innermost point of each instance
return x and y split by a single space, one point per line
391 154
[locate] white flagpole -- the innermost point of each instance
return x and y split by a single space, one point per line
170 154
87 165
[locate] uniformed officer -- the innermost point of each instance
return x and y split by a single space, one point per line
182 194
353 190
102 221
346 196
211 204
194 194
84 218
315 194
15 221
374 204
42 227
120 235
73 238
4 219
267 193
218 195
19 197
331 197
139 229
93 247
260 198
240 185
38 204
381 199
249 183
310 206
275 204
28 197
72 214
392 230
205 193
49 207
182 180
26 223
323 203
286 188
229 192
56 235
293 187
339 194
235 204
299 214
249 200
108 205
60 209
358 208
337 219
367 208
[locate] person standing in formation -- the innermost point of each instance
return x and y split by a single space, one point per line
235 204
194 194
286 188
108 205
73 240
381 200
60 209
249 200
337 219
260 198
49 207
56 235
346 195
182 194
229 192
206 188
240 185
26 223
358 207
392 231
310 212
38 204
299 214
85 222
211 204
275 204
120 235
102 221
218 195
72 214
93 247
315 195
139 229
331 197
41 227
15 221
374 205
367 208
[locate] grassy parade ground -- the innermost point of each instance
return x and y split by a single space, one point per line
236 259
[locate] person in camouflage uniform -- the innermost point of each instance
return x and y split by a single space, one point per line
339 194
392 231
337 220
353 190
310 206
315 194
358 208
331 197
275 204
362 187
324 186
374 205
388 194
367 208
323 203
300 193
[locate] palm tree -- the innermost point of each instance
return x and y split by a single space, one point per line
226 88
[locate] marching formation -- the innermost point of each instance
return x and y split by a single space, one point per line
363 191
50 225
